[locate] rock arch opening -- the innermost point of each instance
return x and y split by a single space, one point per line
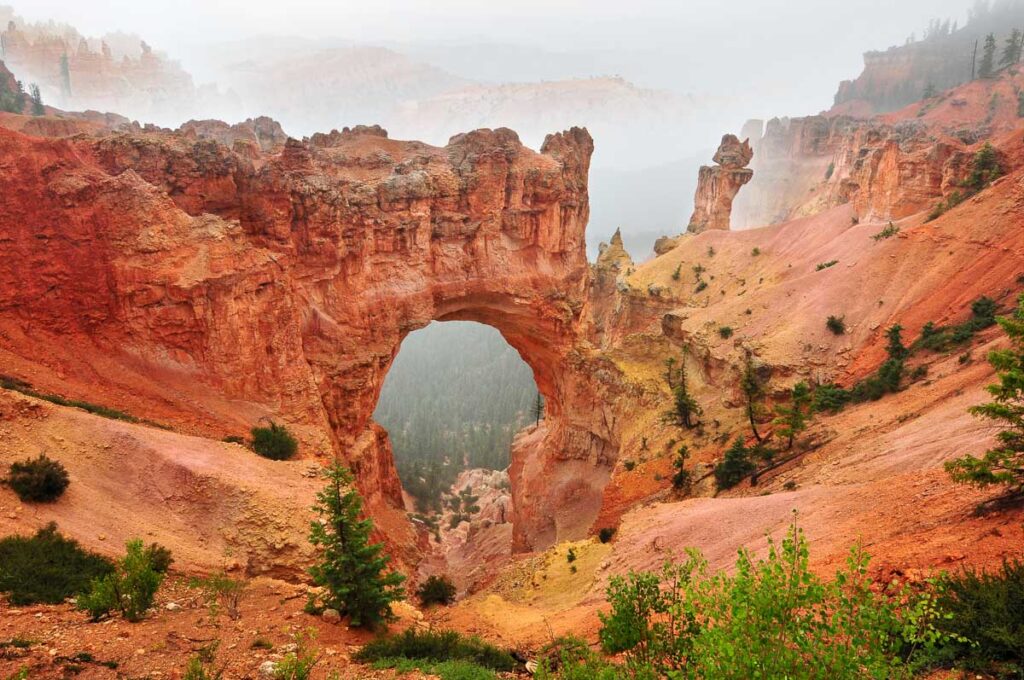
452 401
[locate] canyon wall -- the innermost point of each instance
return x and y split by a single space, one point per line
284 280
888 166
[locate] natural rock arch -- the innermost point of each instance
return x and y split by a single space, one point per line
286 273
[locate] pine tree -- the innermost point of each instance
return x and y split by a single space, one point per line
895 347
685 407
37 100
1003 464
65 76
792 419
351 569
753 390
538 409
682 478
1011 49
988 57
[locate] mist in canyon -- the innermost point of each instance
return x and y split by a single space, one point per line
657 83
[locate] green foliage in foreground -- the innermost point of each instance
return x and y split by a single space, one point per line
446 670
130 588
47 568
436 646
770 618
987 608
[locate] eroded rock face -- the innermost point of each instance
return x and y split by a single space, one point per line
284 276
718 185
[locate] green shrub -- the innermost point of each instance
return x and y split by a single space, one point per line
755 251
830 170
159 557
736 465
701 285
130 588
677 273
221 592
41 479
768 618
605 534
725 332
836 324
888 232
298 664
445 670
570 658
985 168
436 590
986 608
570 555
47 568
274 442
629 465
197 670
829 397
826 265
437 646
945 338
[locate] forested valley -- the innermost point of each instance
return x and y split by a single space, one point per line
455 396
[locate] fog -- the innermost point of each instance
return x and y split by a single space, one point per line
687 72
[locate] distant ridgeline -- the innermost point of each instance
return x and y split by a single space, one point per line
454 397
942 59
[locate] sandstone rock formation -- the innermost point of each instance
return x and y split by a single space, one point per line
718 185
287 278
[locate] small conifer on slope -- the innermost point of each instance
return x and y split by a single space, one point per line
351 570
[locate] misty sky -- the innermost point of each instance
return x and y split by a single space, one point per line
781 56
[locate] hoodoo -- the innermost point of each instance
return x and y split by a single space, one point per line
717 185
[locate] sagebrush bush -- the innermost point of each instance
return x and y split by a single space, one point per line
274 442
130 588
38 480
605 534
836 324
437 645
436 590
47 567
